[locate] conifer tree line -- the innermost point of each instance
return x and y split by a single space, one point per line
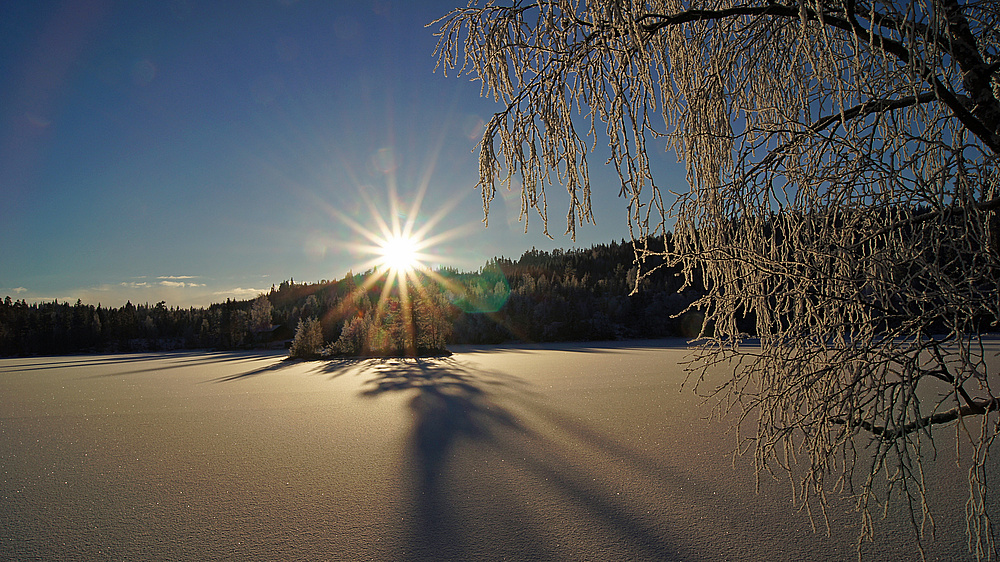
564 295
541 296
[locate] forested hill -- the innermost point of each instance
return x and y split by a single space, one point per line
541 296
580 295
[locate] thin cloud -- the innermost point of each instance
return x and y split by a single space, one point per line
176 290
240 292
179 284
172 281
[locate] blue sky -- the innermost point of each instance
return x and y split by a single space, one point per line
197 151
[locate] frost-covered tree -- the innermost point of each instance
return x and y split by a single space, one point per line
431 322
308 341
842 191
260 314
353 337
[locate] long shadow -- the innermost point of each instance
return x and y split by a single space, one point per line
92 361
276 366
450 405
166 361
457 410
195 359
342 366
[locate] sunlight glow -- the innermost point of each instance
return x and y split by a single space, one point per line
400 253
397 272
406 284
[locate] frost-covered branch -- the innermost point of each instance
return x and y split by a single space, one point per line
977 408
841 200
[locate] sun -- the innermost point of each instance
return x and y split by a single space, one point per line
400 253
400 295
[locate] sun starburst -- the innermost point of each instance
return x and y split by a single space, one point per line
400 253
399 249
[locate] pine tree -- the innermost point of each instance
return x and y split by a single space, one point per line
308 339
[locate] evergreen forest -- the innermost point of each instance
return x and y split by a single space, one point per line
574 295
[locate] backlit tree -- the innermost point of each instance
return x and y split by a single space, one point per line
260 314
308 341
841 195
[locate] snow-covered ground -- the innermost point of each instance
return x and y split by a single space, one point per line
534 452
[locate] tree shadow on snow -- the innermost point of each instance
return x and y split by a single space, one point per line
173 360
451 403
269 368
460 513
451 406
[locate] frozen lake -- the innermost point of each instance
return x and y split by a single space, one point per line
558 452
